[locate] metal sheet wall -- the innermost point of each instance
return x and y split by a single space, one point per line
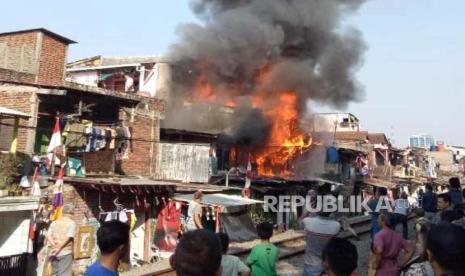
183 162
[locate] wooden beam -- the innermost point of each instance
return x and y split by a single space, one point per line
148 233
50 91
14 141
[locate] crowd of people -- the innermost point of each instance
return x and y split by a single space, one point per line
437 249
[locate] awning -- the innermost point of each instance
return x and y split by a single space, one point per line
380 183
13 113
219 200
11 204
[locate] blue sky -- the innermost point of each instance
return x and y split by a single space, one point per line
413 72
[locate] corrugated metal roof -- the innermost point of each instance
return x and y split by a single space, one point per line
12 112
352 135
219 199
378 138
42 30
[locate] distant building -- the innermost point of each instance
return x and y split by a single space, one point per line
144 75
422 141
335 122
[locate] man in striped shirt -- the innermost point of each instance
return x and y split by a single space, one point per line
319 231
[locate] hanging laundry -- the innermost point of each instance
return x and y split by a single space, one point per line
75 134
58 200
332 155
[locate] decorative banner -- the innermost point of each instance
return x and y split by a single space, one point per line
58 200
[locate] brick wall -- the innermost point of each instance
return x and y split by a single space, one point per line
145 137
21 101
52 61
19 52
33 57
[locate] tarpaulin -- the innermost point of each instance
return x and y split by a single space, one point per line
168 225
239 226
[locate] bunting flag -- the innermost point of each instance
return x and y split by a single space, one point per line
58 201
55 141
248 178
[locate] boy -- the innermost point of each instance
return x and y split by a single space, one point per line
112 239
340 258
232 265
420 219
198 254
264 255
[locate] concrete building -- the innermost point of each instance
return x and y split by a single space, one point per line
422 141
144 75
335 122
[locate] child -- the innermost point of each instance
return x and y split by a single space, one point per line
420 219
264 255
340 258
198 254
232 265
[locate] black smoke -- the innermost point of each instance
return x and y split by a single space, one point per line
304 46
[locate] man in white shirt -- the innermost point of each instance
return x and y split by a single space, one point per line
319 230
401 211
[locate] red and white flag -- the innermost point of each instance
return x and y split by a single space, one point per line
55 141
248 178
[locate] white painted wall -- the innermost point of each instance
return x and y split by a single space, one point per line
85 77
14 233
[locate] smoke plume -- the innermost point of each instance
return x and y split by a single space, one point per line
301 45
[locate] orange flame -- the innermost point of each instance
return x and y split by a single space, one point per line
285 142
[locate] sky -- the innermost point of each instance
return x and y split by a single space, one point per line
413 72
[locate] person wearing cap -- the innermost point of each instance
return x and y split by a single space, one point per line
61 240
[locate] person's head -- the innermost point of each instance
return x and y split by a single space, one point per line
340 257
382 192
419 212
198 254
420 192
444 202
454 183
446 248
429 187
198 196
68 209
385 220
265 230
403 195
224 240
113 238
448 216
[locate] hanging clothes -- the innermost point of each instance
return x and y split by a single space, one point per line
75 135
332 155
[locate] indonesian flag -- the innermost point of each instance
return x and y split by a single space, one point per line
55 141
35 191
248 179
58 201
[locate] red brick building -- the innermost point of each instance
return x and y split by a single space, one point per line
32 80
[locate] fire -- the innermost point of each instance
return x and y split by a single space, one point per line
285 142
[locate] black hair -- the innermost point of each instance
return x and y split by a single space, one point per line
463 193
449 216
265 230
446 243
382 191
445 197
224 240
341 256
429 187
419 212
111 235
454 182
197 254
388 218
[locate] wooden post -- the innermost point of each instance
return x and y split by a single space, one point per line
14 142
148 234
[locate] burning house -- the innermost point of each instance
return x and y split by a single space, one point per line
265 59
